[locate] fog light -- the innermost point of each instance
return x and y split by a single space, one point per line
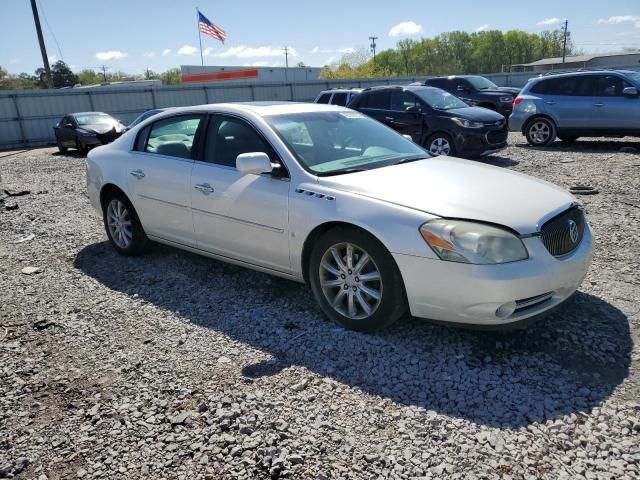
506 309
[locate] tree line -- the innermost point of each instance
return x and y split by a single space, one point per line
62 76
453 53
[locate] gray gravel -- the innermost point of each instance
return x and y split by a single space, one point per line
180 367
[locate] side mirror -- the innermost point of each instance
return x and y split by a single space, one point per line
413 110
408 137
68 125
630 92
254 163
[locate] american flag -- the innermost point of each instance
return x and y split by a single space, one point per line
205 26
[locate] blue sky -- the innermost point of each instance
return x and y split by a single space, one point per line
131 35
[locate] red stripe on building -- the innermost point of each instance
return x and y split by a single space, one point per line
222 75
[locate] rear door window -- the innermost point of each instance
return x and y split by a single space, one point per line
376 100
324 98
578 86
173 136
339 99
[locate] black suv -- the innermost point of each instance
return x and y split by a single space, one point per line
478 91
435 119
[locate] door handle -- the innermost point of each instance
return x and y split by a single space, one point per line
204 188
550 102
598 105
389 119
138 174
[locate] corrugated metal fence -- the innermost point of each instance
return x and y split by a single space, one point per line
27 117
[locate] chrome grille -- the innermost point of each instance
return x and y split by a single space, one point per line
563 233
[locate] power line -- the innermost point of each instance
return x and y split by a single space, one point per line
373 48
44 15
286 62
564 41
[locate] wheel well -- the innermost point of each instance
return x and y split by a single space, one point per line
536 116
108 189
315 234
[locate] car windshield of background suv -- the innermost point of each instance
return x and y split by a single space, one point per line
328 143
94 119
481 83
440 99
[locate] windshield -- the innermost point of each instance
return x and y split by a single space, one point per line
439 99
333 142
481 83
95 119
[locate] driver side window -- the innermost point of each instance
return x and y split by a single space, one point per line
228 137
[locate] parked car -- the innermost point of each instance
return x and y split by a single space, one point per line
572 105
478 91
142 117
337 96
435 119
86 130
328 196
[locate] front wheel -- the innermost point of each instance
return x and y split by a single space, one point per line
62 149
540 132
123 225
440 144
356 281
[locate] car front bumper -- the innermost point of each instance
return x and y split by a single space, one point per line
479 143
473 294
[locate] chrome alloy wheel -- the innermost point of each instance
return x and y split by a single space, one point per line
439 146
119 223
540 132
350 281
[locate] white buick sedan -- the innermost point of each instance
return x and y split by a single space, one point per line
328 196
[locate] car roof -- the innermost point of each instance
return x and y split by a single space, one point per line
580 72
411 88
341 90
87 113
264 108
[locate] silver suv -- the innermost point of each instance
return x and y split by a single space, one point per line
337 96
578 104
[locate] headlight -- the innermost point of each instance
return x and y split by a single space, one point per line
506 99
463 122
470 242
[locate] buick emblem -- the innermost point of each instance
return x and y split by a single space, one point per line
573 231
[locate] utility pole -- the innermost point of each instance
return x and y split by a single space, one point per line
286 62
373 48
104 73
43 49
564 41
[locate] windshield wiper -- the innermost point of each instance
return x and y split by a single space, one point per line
410 159
342 172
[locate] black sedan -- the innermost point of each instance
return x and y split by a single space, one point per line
86 130
440 122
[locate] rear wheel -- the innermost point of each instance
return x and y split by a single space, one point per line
540 132
356 281
82 150
440 144
123 225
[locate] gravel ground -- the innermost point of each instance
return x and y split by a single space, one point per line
180 367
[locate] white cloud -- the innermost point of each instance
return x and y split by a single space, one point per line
261 63
149 54
330 60
617 19
549 21
53 59
405 28
111 55
166 51
346 50
242 51
314 50
187 50
483 28
14 61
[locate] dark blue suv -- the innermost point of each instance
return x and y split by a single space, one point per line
578 104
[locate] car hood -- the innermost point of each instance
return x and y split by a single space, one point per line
478 114
99 128
500 91
456 188
511 90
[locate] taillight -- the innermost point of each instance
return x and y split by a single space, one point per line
516 101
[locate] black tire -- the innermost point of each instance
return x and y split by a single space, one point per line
568 138
82 150
139 242
540 132
392 303
62 149
429 144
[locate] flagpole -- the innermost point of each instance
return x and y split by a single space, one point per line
199 35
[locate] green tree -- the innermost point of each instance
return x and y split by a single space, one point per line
171 77
61 76
21 81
